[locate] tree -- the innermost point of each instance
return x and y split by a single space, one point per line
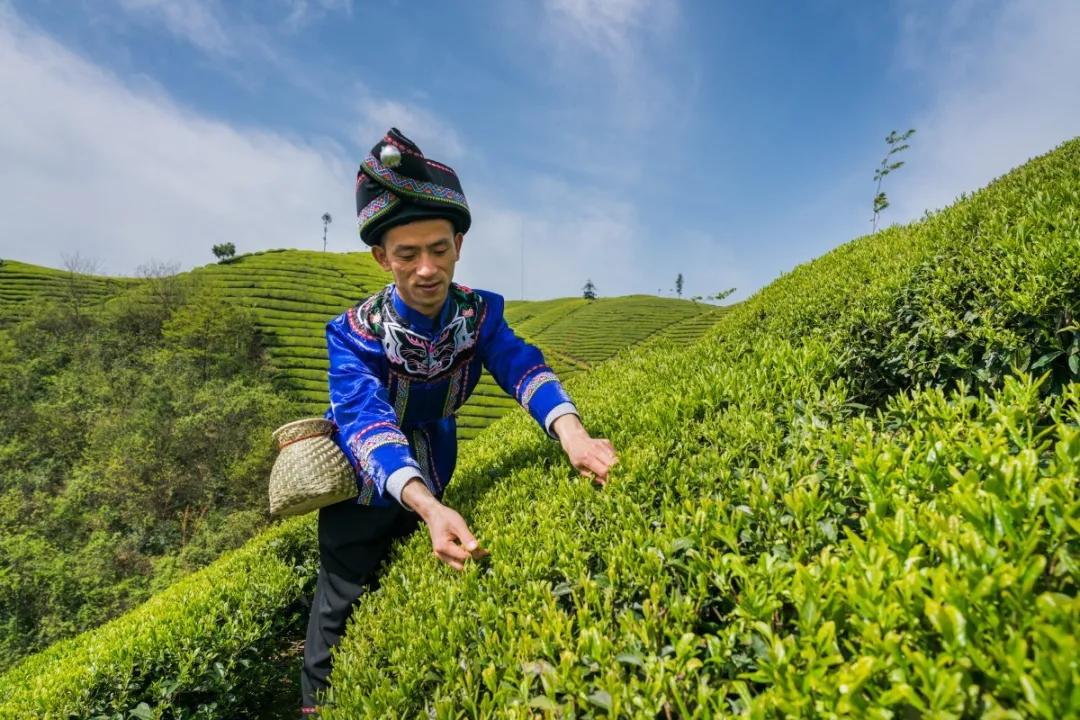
678 285
224 251
589 291
164 284
76 283
326 220
880 200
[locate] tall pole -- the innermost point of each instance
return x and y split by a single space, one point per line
522 267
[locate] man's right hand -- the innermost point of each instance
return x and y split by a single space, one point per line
451 540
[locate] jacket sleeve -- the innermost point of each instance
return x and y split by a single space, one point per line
520 370
366 421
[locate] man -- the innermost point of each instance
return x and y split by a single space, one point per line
401 364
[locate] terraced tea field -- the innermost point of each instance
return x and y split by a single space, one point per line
294 292
25 283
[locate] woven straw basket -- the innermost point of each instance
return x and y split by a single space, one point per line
310 470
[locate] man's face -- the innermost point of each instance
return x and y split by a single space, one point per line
421 255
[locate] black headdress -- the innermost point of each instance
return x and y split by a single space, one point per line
396 184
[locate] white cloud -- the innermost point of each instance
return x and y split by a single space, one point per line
570 234
610 56
607 26
377 115
195 21
1005 88
301 13
93 166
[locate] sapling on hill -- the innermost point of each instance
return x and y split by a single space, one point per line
880 200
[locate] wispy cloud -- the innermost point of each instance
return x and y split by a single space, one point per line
566 234
121 176
615 52
605 26
195 21
1004 88
301 13
435 136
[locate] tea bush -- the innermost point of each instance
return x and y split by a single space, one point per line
814 513
812 516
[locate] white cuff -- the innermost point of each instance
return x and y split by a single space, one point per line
396 482
563 408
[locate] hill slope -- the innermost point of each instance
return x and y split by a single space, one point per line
856 495
294 292
22 283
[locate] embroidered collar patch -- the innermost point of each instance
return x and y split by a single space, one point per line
411 353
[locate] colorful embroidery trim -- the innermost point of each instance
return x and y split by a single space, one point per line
364 450
411 354
452 390
421 189
383 202
538 380
401 397
423 456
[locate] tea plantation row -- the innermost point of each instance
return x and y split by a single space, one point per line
856 496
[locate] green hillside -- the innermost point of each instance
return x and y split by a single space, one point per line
22 283
295 292
855 495
135 445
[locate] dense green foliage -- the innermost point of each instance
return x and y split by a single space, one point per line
215 644
842 502
129 457
126 453
856 496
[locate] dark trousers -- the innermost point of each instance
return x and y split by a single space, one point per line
353 542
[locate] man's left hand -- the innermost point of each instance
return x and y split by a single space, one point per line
593 457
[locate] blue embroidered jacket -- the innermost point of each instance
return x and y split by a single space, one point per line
397 377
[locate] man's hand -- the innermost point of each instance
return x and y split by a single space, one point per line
593 457
451 540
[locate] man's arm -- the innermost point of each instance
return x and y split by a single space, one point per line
520 370
362 411
368 425
593 457
451 540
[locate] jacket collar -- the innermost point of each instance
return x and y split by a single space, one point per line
415 319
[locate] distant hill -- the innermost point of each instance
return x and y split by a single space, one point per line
295 292
22 282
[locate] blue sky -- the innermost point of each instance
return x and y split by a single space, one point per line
616 140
